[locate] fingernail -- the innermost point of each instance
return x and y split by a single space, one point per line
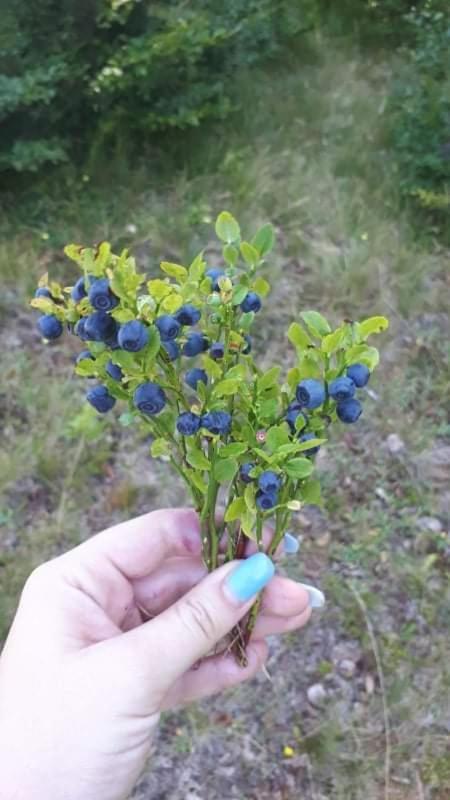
249 577
316 597
290 544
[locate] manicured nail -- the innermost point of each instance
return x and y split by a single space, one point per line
249 577
316 597
290 544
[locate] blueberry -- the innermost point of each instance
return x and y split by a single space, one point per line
133 336
79 290
83 356
42 291
341 389
294 410
100 398
149 398
310 393
99 326
251 302
215 273
80 329
100 295
194 376
168 327
196 343
349 410
188 423
359 374
114 371
172 349
244 472
188 315
218 422
266 500
50 326
306 437
247 349
269 481
217 350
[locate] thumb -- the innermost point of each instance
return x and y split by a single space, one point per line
171 643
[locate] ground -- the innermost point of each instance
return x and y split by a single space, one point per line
355 706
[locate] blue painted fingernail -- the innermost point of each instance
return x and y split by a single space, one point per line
290 544
249 577
316 597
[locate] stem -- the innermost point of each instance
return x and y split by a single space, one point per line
207 517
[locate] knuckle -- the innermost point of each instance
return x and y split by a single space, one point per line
39 579
196 616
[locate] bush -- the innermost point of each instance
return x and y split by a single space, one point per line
72 71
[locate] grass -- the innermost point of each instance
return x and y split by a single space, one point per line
306 149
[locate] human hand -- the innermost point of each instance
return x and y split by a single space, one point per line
83 678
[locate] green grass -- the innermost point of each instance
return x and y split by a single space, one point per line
305 149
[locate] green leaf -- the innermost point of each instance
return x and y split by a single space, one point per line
227 228
226 387
316 323
363 354
309 444
159 448
211 367
310 492
159 289
269 379
123 315
294 376
249 496
74 252
299 467
261 286
277 436
235 510
230 254
86 368
47 306
197 459
249 253
103 256
127 362
298 336
246 320
238 372
264 239
152 347
268 408
171 303
225 469
248 524
233 450
333 341
197 268
372 325
239 294
175 271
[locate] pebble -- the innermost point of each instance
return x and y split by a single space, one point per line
346 668
316 694
429 524
394 443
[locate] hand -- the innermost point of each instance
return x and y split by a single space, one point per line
83 676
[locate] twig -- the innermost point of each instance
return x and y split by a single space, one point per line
419 784
377 655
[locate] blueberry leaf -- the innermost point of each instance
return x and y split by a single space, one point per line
235 510
298 336
298 467
227 228
197 459
225 469
264 239
316 323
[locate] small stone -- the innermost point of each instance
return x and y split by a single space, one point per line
303 520
381 494
316 694
394 443
369 684
347 668
324 540
429 524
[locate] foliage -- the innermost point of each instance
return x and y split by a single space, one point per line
110 69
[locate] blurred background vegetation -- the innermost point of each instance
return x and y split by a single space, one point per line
139 121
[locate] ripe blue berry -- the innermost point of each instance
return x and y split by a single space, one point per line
168 327
215 273
194 376
42 291
114 371
310 393
80 329
341 389
195 343
100 295
359 374
99 326
217 350
188 315
244 472
133 336
100 398
294 411
266 500
349 410
269 481
149 398
50 326
79 290
217 422
172 349
306 437
252 302
248 345
188 424
83 356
